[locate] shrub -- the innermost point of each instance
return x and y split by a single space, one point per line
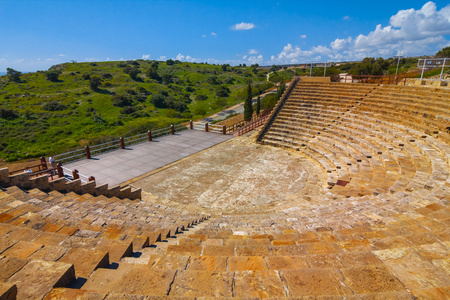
159 100
201 97
121 100
127 110
95 82
134 73
13 75
8 114
52 75
53 106
222 91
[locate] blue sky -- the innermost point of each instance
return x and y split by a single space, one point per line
40 33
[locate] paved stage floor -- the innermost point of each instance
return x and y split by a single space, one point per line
118 166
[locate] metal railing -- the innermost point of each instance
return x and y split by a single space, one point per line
70 174
104 147
121 143
378 79
70 156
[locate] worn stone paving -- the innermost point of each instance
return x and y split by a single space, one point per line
118 166
237 175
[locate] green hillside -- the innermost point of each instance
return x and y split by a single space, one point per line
61 109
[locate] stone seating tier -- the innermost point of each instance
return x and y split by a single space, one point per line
367 217
52 239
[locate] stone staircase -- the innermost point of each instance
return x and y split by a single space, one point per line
50 240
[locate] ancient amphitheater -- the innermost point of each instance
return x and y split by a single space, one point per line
343 194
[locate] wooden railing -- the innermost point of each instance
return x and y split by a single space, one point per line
121 143
230 129
251 125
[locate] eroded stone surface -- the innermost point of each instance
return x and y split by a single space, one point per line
202 284
314 282
9 266
260 284
364 280
38 277
86 260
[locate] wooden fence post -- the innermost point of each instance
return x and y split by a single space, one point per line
191 124
206 126
149 133
43 163
224 129
122 143
87 151
172 129
60 170
92 178
75 174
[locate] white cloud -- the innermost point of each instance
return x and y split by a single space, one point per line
243 26
145 56
291 55
62 55
255 59
346 18
303 36
180 57
213 34
340 44
417 32
203 35
162 58
252 51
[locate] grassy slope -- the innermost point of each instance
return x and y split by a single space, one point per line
91 116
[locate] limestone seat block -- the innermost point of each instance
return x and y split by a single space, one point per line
38 277
86 260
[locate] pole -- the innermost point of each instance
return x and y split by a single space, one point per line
398 60
423 69
310 71
325 71
442 72
396 70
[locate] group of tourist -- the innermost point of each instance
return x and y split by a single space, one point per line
51 161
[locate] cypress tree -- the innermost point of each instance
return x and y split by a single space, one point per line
258 105
248 108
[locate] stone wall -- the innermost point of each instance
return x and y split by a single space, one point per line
27 181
